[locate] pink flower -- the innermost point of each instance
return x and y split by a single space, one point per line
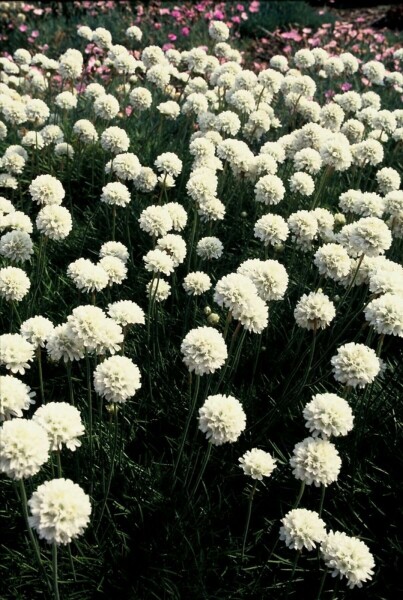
128 111
254 7
346 86
167 46
35 33
185 31
23 28
172 37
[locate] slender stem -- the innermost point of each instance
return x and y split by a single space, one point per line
227 324
112 466
322 499
294 566
189 419
336 589
39 360
89 408
113 222
203 468
248 516
192 238
54 572
301 493
33 539
70 382
59 463
71 562
322 584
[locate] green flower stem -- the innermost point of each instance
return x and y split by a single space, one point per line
39 361
192 237
59 463
294 567
227 324
248 516
203 468
189 419
322 499
70 382
54 572
34 541
112 466
322 584
113 222
89 408
301 493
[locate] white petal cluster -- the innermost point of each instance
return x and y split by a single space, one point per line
355 365
116 249
347 557
168 163
45 189
314 311
87 276
272 230
62 423
126 312
269 190
115 140
328 414
63 343
302 528
257 463
209 247
15 396
332 261
140 98
204 350
222 419
37 330
269 277
315 461
158 289
175 246
16 246
125 166
54 221
196 283
14 283
60 511
385 314
114 268
115 194
156 220
106 107
117 379
369 236
94 331
303 226
302 183
158 261
24 448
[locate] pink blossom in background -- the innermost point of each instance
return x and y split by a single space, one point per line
254 7
168 46
35 33
345 87
23 28
185 31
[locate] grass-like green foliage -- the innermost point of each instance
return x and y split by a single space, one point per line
155 542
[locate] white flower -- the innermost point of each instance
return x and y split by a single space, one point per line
355 365
155 220
64 149
87 276
94 330
36 330
314 311
169 109
204 350
303 225
140 98
257 463
335 152
115 140
46 189
347 556
218 31
106 107
222 419
126 312
125 166
328 414
374 71
60 511
269 277
315 461
394 202
115 269
302 183
168 163
115 194
146 180
388 180
271 229
228 122
369 236
14 283
15 396
209 247
234 291
117 379
134 33
332 261
66 101
62 423
114 249
369 151
158 261
54 222
158 289
302 528
159 75
174 245
24 448
269 190
178 215
308 160
85 131
385 314
16 246
196 283
63 343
